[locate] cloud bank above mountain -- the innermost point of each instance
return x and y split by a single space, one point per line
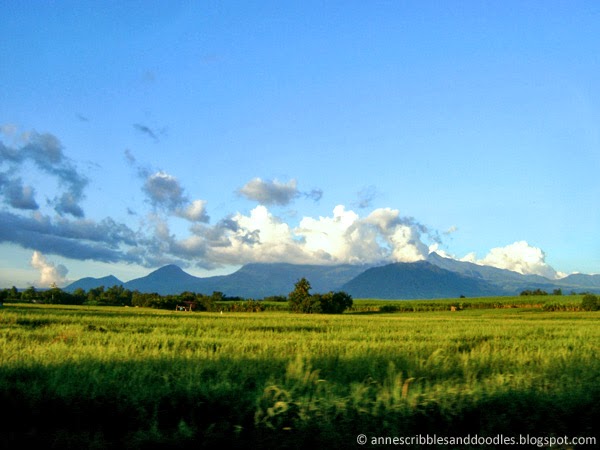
519 257
380 236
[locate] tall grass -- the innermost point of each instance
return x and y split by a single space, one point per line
84 377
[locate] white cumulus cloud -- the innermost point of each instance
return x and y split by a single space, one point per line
49 272
194 212
519 257
343 237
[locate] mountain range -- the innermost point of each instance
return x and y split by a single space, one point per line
436 277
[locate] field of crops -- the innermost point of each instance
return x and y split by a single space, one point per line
104 377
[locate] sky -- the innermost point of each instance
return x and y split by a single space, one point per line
135 134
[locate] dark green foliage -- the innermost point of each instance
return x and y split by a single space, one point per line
590 303
300 300
276 298
29 294
538 291
335 302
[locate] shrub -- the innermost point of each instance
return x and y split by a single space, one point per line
590 303
335 302
388 308
538 291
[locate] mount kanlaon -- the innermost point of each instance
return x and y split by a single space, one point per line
436 277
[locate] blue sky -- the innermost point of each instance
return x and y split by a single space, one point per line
212 134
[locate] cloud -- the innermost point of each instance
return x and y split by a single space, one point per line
274 192
8 129
194 212
68 204
105 241
270 192
453 229
366 196
344 237
129 157
16 194
314 194
144 129
49 272
519 257
382 236
46 153
165 192
258 237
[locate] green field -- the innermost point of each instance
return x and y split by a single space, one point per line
74 377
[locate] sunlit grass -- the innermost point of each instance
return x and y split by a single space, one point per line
277 377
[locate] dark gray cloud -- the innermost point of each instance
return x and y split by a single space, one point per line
16 194
273 192
20 196
146 130
68 204
46 153
234 239
129 157
270 192
80 240
164 190
314 194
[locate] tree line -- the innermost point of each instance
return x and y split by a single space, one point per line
299 300
114 296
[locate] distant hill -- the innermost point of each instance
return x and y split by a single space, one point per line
169 279
90 283
415 280
513 283
581 281
506 282
256 280
260 280
437 277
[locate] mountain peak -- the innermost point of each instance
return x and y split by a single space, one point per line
88 283
169 272
169 268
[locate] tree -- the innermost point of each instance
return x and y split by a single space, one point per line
217 296
14 293
79 296
29 294
10 294
298 298
94 295
56 296
116 295
335 302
